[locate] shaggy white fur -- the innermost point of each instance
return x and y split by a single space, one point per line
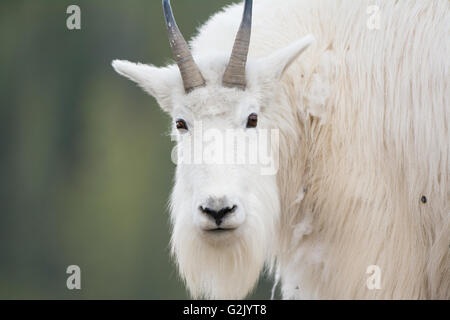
364 121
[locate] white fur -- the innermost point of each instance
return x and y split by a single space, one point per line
364 121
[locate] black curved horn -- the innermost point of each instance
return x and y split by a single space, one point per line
234 76
190 73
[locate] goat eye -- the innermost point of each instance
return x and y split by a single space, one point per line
252 120
181 124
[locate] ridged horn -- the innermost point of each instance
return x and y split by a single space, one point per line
190 73
234 76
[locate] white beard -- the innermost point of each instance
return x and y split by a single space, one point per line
225 270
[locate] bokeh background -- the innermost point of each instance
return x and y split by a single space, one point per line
85 170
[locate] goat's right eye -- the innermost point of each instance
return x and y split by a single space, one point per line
181 124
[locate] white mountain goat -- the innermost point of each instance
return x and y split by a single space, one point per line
359 204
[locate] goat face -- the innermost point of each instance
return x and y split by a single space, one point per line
224 204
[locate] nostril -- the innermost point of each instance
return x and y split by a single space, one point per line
227 210
208 211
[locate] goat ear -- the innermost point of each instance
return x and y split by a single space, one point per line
274 65
158 82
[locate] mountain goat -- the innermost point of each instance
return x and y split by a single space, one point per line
357 93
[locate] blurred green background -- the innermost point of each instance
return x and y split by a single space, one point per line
84 154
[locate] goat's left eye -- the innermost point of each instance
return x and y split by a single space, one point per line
252 120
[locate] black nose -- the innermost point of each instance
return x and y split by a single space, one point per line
218 215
